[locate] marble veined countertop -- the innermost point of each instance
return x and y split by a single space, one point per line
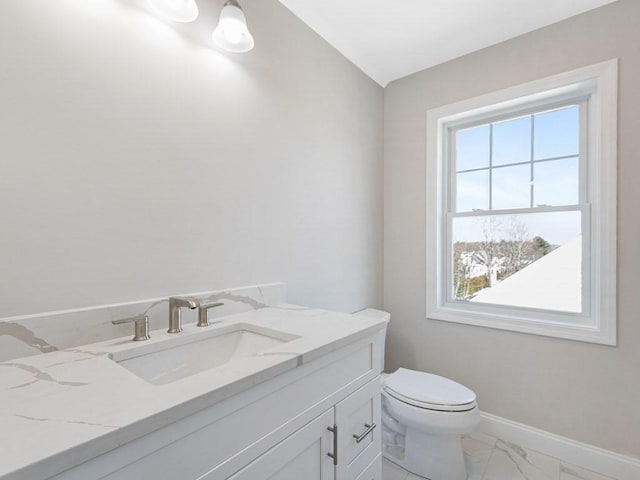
60 409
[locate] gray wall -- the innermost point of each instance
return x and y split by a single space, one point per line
583 391
136 161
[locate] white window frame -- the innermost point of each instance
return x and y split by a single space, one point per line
597 324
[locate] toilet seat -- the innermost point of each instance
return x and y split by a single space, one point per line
428 391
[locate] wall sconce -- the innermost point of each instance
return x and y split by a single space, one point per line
231 34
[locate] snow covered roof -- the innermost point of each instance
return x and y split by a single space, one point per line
553 282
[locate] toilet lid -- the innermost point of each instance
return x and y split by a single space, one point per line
429 391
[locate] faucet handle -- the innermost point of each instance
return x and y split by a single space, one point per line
203 310
141 324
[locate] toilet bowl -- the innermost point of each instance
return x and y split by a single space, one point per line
423 418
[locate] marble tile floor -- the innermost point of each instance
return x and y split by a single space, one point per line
489 458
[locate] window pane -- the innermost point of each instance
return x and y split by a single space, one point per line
511 187
557 133
472 148
556 182
530 260
472 191
512 141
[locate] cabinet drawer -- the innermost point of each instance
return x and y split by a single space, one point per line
373 471
359 432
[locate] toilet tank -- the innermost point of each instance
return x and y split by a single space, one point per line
380 315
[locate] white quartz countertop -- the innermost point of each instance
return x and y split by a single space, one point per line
60 409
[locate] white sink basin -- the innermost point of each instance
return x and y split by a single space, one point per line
173 359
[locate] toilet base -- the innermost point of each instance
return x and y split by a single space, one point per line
435 457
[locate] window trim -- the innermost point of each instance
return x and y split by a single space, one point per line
599 83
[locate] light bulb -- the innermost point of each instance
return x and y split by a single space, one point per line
176 10
232 33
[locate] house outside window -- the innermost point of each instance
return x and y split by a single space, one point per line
521 210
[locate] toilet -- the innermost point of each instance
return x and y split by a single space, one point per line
423 419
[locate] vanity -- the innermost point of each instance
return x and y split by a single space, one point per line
281 392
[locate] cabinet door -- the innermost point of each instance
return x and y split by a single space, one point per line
359 430
373 471
302 456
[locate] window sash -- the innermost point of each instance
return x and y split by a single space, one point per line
581 101
448 275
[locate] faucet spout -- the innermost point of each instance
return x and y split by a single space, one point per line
185 302
175 304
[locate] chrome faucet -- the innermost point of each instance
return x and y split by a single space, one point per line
175 304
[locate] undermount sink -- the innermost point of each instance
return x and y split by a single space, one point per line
174 359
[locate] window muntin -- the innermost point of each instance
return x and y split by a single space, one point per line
517 222
510 156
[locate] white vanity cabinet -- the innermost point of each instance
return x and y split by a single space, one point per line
280 429
325 450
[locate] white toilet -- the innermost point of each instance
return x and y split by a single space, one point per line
423 418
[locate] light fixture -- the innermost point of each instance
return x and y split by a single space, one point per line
232 33
177 10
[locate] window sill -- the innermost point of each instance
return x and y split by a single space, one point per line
592 332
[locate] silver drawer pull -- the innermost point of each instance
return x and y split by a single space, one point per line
361 437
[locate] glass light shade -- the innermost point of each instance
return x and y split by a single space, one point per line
177 10
232 33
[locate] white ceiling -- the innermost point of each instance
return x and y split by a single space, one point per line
389 39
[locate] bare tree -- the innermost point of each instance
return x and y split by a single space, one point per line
517 248
491 248
503 250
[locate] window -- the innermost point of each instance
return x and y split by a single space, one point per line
521 207
517 198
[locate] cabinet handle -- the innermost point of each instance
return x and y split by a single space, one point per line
334 455
369 429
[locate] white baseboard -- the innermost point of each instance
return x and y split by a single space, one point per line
583 455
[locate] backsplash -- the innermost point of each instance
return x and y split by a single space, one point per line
35 334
